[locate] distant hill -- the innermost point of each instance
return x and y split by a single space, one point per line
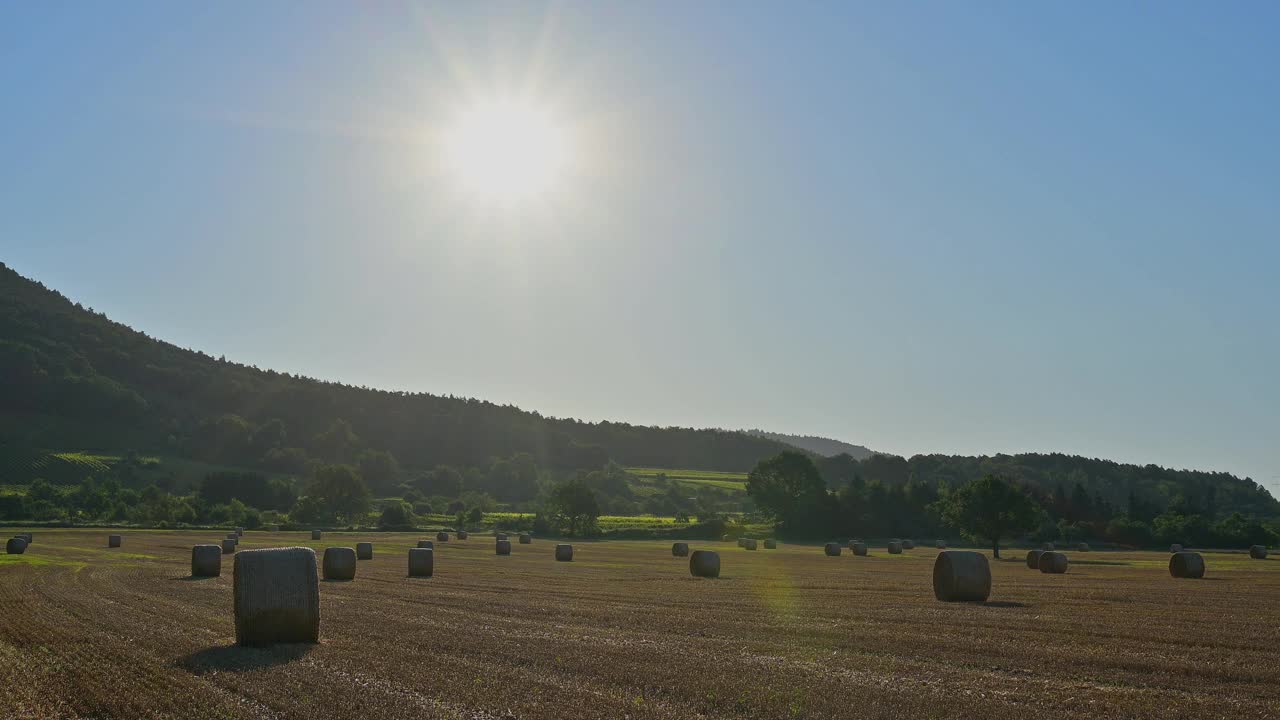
826 447
74 379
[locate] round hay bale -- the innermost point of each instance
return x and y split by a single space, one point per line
961 576
1047 547
679 549
277 596
1258 552
564 552
364 551
15 546
1186 565
908 544
725 538
316 534
770 544
426 545
525 538
1053 563
228 547
206 561
442 537
462 534
1082 547
895 548
239 532
705 563
1033 559
422 562
1175 548
941 544
742 542
500 536
859 549
502 547
832 549
749 544
113 541
25 536
339 563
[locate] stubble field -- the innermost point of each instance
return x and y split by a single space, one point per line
625 632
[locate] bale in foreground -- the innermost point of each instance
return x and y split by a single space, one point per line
961 576
1033 559
1053 563
1258 552
564 552
228 547
679 549
705 563
364 551
502 547
895 548
832 549
113 541
206 561
422 562
770 544
277 596
339 563
15 546
1186 565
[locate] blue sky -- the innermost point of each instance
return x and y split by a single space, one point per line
924 227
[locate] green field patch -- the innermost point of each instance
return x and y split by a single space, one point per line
39 561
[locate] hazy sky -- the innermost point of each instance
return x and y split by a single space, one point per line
923 227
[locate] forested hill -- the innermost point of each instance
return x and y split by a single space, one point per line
72 378
825 447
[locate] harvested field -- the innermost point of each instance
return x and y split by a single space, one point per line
625 631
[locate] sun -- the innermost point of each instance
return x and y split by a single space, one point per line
506 151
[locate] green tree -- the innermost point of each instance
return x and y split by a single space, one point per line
989 508
340 492
789 489
573 505
396 514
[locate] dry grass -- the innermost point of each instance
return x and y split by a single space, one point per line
624 631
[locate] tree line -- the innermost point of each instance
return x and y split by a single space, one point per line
884 496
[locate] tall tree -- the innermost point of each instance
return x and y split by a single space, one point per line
340 492
989 508
573 505
788 488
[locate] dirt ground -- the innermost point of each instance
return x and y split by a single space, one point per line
625 632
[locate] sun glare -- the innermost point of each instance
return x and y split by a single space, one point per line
506 151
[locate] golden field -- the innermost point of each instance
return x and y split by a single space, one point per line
625 632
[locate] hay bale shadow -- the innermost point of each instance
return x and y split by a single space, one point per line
1003 604
1117 563
234 658
195 578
